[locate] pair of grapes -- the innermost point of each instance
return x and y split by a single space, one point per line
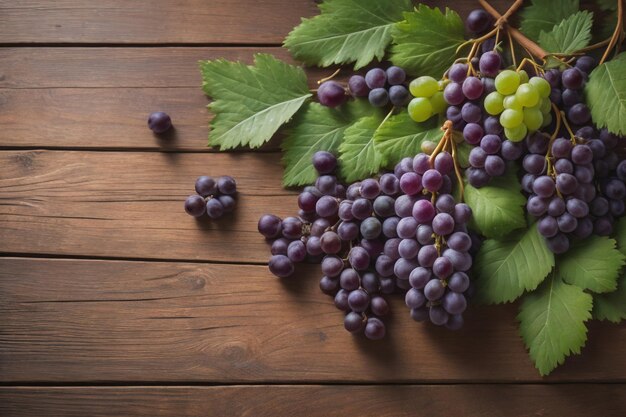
214 197
523 104
428 100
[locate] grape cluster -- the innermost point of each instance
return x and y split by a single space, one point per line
467 96
381 86
214 197
567 89
523 104
428 100
432 256
573 185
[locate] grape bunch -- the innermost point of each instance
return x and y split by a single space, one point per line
523 104
467 97
567 90
433 256
428 100
214 197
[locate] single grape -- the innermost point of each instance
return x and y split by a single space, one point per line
378 97
423 211
384 206
357 86
411 183
296 251
494 103
269 225
454 303
395 75
472 88
374 329
453 94
331 94
473 132
370 282
478 21
326 184
195 205
326 206
432 180
358 300
228 203
471 113
443 224
458 282
527 95
408 248
280 246
314 245
457 73
420 109
330 242
349 279
489 64
384 266
281 266
581 155
558 244
544 186
424 86
329 285
579 114
206 186
398 95
494 165
389 184
159 122
359 258
548 226
353 322
585 64
445 204
507 82
379 306
361 208
214 208
427 256
371 228
375 78
434 289
572 78
389 226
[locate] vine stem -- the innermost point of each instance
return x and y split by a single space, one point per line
447 134
616 33
330 77
572 136
531 46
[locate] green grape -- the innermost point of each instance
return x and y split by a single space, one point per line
420 109
428 147
517 133
511 118
493 103
507 82
547 119
523 77
533 119
438 102
512 102
424 86
545 105
527 95
541 85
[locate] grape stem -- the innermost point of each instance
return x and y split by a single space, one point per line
569 129
557 115
538 69
531 46
447 134
330 77
457 170
617 33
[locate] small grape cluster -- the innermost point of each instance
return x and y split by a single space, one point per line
428 101
466 96
522 103
214 197
567 89
380 86
574 186
433 252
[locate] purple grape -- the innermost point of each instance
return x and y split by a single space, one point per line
419 277
445 203
459 241
472 133
478 177
408 248
359 258
349 279
581 155
378 97
399 95
362 208
411 183
389 226
404 205
579 114
571 97
453 94
478 21
296 251
427 256
384 265
326 184
389 184
281 266
379 306
159 122
442 267
423 211
226 185
206 186
330 242
370 188
375 78
567 223
492 126
471 113
489 64
431 180
548 226
454 303
558 244
472 88
477 157
348 231
491 144
459 282
443 224
371 228
434 290
214 208
407 228
384 206
331 94
572 78
566 183
353 322
329 285
536 206
319 226
585 64
358 87
444 163
395 75
414 298
280 246
421 163
326 206
314 245
269 226
403 267
424 234
511 151
553 77
195 205
534 164
457 73
374 329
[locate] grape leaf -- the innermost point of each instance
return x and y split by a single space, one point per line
506 268
497 208
358 157
552 322
612 306
425 43
544 15
346 31
592 264
318 128
606 95
400 136
251 102
570 35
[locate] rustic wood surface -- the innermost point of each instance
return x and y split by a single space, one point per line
114 302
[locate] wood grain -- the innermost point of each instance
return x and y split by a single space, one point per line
119 204
162 22
102 321
150 22
319 401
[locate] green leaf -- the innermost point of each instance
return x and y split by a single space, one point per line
544 15
318 128
251 102
400 136
346 31
606 95
504 269
611 306
592 264
497 208
570 35
358 157
425 43
552 322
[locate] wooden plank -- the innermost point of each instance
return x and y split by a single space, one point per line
162 22
116 204
318 401
150 22
102 321
101 97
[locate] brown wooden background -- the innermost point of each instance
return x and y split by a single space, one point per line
114 302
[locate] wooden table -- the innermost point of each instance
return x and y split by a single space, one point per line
114 302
